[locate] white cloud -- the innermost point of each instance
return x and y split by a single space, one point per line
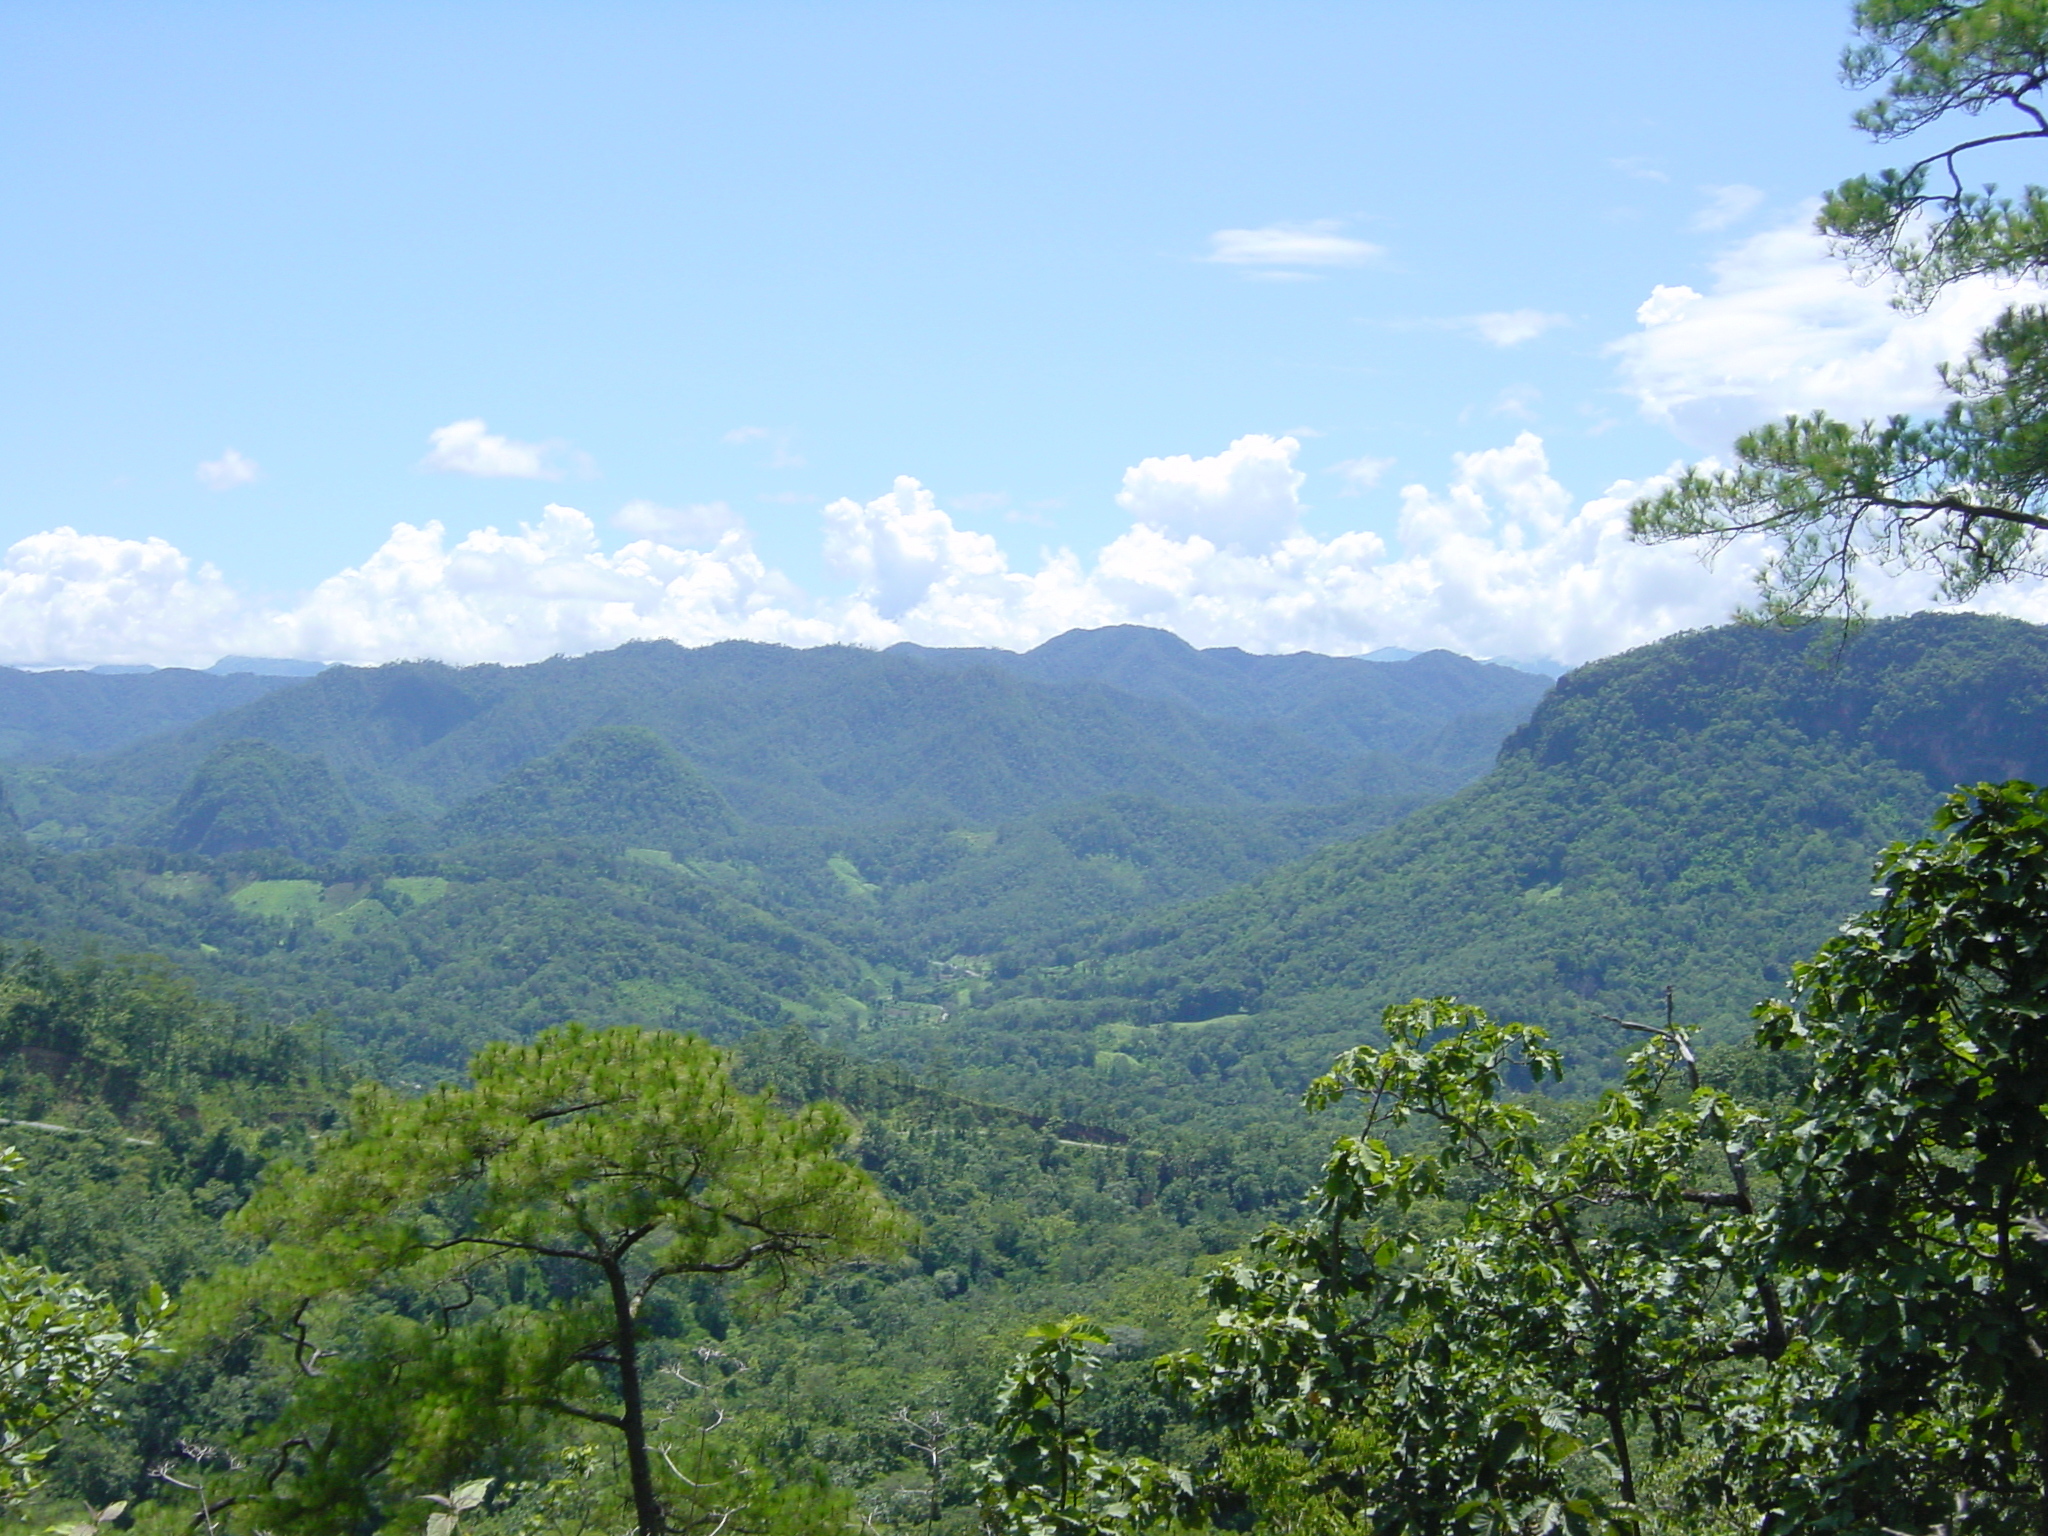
470 448
1666 304
1290 245
697 526
550 587
898 547
1246 497
1501 561
1726 206
76 599
1360 474
744 435
1786 327
228 471
1512 327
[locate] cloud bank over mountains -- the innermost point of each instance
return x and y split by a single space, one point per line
1500 560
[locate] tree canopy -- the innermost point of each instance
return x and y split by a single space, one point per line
1675 1311
1916 1182
62 1349
512 1235
1963 494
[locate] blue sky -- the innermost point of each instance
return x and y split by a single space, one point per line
702 272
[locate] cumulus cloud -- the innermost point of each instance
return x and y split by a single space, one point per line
1666 304
77 599
471 448
1244 498
1501 560
697 526
549 587
898 548
1512 327
1268 250
228 471
1787 327
918 575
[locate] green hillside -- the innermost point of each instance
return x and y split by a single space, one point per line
420 956
833 736
46 715
1698 813
1082 1081
416 964
737 834
615 784
1435 707
247 795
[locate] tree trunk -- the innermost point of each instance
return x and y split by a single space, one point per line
647 1511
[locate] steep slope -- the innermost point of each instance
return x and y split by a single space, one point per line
248 795
831 736
1698 813
615 784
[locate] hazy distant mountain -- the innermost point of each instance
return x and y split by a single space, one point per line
57 714
1445 709
267 666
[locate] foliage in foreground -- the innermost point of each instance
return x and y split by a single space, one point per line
1676 1307
1916 1185
513 1238
62 1349
1612 1325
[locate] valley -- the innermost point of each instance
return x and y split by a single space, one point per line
1070 932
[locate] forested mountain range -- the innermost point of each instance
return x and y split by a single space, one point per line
840 736
711 838
1697 813
1076 1029
45 715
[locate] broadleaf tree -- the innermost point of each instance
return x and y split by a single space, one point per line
63 1348
1500 1325
464 1266
1048 1477
1675 1313
1963 494
1914 1212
